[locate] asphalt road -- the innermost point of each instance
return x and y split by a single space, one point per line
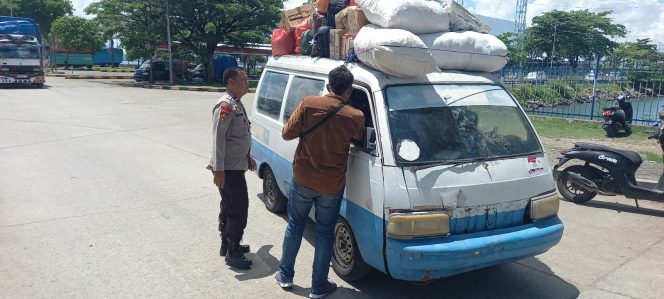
103 193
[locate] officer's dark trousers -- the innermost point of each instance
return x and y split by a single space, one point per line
234 206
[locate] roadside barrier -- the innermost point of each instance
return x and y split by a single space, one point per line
98 77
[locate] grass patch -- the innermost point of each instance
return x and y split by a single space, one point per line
555 91
648 156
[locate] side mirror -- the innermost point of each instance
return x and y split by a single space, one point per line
370 139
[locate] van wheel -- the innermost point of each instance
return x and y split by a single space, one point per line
275 202
347 261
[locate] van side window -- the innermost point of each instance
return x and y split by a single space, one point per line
301 87
360 100
271 94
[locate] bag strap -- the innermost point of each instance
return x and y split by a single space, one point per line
320 123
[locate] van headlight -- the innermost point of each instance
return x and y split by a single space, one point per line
418 224
545 206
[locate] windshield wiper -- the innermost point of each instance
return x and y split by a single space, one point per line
449 162
472 94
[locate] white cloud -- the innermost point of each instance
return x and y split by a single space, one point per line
496 9
79 6
292 3
642 18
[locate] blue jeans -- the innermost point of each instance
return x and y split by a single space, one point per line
300 200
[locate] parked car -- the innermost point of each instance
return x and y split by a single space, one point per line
535 78
159 71
198 71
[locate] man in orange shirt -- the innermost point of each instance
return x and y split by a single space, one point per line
326 126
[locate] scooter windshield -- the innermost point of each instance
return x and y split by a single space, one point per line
462 122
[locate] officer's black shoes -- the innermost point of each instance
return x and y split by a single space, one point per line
235 258
224 247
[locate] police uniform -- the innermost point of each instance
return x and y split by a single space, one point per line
231 144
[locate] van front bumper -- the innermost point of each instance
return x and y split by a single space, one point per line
432 258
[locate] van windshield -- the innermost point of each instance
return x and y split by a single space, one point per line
22 51
458 122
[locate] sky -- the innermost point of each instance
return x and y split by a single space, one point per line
642 18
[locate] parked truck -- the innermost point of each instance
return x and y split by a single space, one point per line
103 57
21 52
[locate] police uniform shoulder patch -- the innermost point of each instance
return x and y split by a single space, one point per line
225 110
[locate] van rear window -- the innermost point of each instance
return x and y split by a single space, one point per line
271 94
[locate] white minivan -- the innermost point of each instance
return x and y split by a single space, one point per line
451 177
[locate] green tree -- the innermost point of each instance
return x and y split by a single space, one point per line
76 33
577 35
639 52
43 11
201 24
110 20
515 53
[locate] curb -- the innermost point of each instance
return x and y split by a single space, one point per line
190 88
186 88
98 77
116 71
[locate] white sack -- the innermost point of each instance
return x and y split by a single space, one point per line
461 19
416 16
395 52
466 51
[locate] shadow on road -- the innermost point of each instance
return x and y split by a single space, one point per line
619 207
527 278
22 86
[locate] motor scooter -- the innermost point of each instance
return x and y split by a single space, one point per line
606 171
618 120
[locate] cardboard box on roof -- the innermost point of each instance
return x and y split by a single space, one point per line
346 45
291 17
352 19
336 43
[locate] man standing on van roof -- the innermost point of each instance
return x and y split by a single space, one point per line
319 175
231 144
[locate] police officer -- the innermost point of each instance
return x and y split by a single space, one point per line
231 143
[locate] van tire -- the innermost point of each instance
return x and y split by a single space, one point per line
275 202
347 260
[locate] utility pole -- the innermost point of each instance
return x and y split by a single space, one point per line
148 9
170 54
553 51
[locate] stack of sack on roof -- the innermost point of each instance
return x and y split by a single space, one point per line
401 38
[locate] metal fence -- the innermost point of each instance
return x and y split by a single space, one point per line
563 91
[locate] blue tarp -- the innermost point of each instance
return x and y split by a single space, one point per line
23 26
221 63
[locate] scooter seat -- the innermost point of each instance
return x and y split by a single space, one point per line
633 157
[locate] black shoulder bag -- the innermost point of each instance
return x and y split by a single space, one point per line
322 121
